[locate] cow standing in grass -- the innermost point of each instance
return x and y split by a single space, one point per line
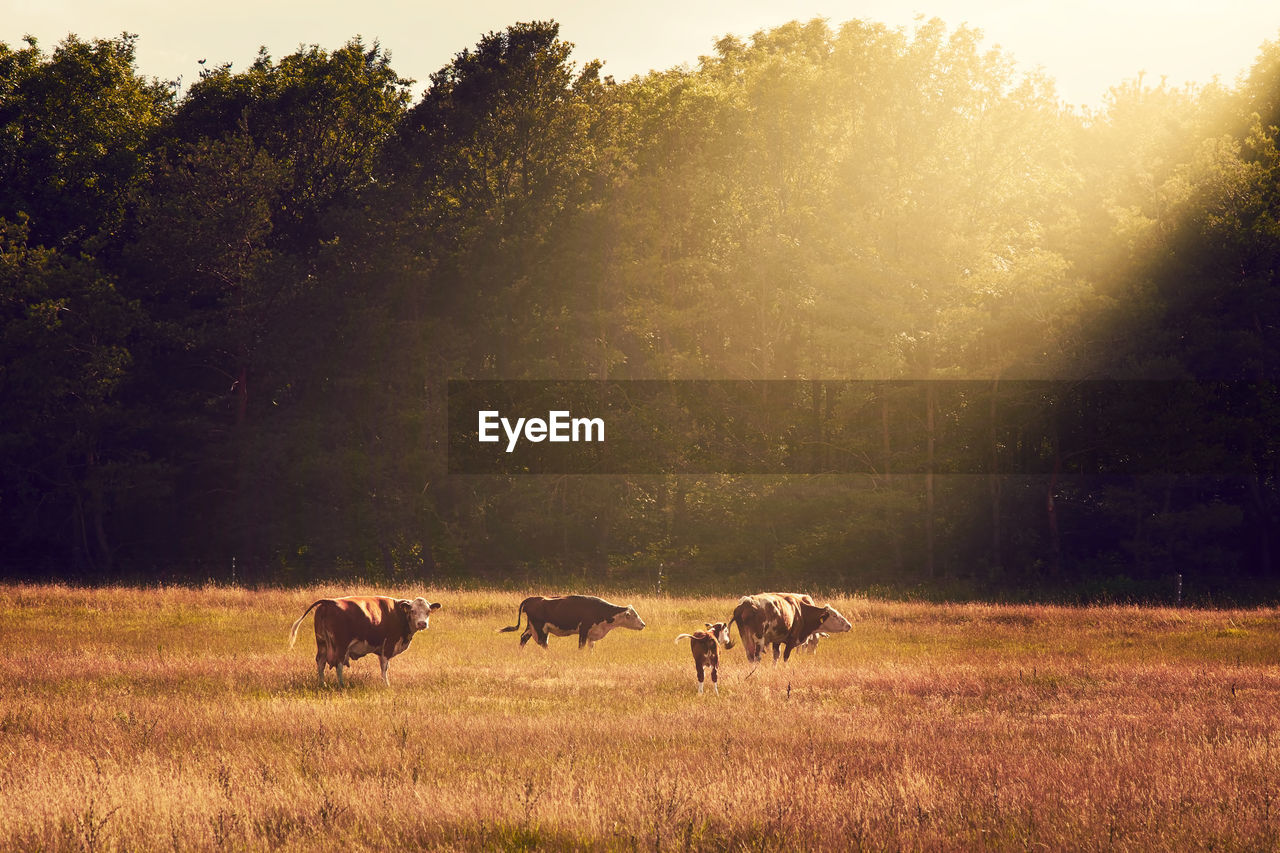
350 628
705 646
565 615
787 619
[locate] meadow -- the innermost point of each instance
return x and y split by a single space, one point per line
178 718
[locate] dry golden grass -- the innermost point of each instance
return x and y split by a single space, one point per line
177 718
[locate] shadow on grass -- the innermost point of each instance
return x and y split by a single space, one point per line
304 686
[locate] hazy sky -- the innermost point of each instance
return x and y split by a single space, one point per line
1087 46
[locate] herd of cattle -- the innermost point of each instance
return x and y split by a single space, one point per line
350 628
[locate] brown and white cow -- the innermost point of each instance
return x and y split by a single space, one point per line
705 646
565 615
785 619
350 628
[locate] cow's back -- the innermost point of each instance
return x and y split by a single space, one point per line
569 611
758 615
369 618
771 616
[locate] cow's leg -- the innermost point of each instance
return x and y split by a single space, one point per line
583 630
786 653
524 638
715 669
698 665
383 661
322 655
338 666
775 653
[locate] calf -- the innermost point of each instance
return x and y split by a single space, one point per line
811 645
706 651
350 628
565 615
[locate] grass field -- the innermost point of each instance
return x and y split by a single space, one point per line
178 719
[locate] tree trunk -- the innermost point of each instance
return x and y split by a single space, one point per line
241 388
929 405
245 505
1051 508
97 512
815 457
995 487
1263 525
891 525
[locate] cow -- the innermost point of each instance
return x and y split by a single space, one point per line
565 615
705 646
350 628
781 619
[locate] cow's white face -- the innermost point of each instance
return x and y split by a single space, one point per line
720 632
628 619
833 622
419 612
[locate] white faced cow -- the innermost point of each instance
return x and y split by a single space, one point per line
565 615
350 628
705 646
788 619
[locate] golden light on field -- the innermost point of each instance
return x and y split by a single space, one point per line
835 213
147 719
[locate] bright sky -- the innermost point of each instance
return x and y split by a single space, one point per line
1087 46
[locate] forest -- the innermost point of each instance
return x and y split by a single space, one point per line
984 345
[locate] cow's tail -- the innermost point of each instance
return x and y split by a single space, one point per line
728 629
519 614
728 632
683 637
293 632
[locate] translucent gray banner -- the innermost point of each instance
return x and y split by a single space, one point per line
841 426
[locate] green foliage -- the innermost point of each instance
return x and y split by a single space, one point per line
230 313
65 354
75 131
323 117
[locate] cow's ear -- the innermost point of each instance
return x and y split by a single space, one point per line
434 606
404 604
708 624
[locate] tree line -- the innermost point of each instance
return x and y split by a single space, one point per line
229 314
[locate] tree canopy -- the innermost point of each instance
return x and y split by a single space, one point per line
229 316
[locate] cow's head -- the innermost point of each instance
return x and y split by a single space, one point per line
418 612
720 632
628 618
832 622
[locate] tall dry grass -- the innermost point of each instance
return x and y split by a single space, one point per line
178 718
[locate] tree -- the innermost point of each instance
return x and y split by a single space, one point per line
65 354
76 129
323 117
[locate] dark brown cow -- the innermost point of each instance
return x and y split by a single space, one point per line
350 628
705 646
565 615
786 619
